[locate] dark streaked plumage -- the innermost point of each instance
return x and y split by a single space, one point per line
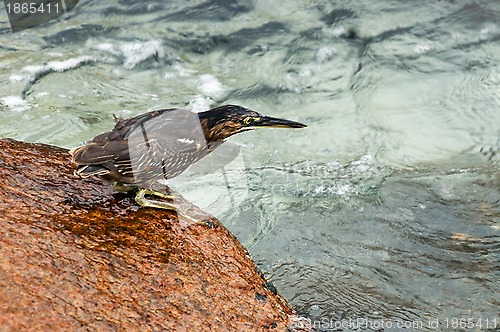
162 144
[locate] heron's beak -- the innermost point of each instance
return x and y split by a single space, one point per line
267 121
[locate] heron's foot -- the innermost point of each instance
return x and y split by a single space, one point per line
123 187
161 203
141 199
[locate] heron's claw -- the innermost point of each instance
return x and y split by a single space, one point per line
141 199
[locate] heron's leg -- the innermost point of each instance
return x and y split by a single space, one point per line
123 188
141 199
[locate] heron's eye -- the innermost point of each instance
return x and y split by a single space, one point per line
249 120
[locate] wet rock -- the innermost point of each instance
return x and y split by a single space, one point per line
74 255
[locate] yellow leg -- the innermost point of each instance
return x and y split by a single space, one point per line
123 188
141 199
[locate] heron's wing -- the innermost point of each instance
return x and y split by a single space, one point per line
114 144
169 143
167 140
100 158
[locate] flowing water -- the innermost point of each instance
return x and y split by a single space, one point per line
384 213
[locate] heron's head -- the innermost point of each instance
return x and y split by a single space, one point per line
224 121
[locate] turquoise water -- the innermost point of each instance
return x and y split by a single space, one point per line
386 207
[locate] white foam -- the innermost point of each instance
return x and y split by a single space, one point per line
68 64
305 72
55 54
484 31
178 71
200 104
107 47
210 86
15 103
325 53
344 190
133 52
137 52
169 75
16 78
364 164
336 32
152 96
423 48
34 69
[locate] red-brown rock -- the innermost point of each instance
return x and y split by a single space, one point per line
76 256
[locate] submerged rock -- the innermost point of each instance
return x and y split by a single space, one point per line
74 255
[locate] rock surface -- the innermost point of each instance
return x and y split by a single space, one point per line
76 256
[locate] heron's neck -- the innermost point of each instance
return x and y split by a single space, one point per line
214 132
